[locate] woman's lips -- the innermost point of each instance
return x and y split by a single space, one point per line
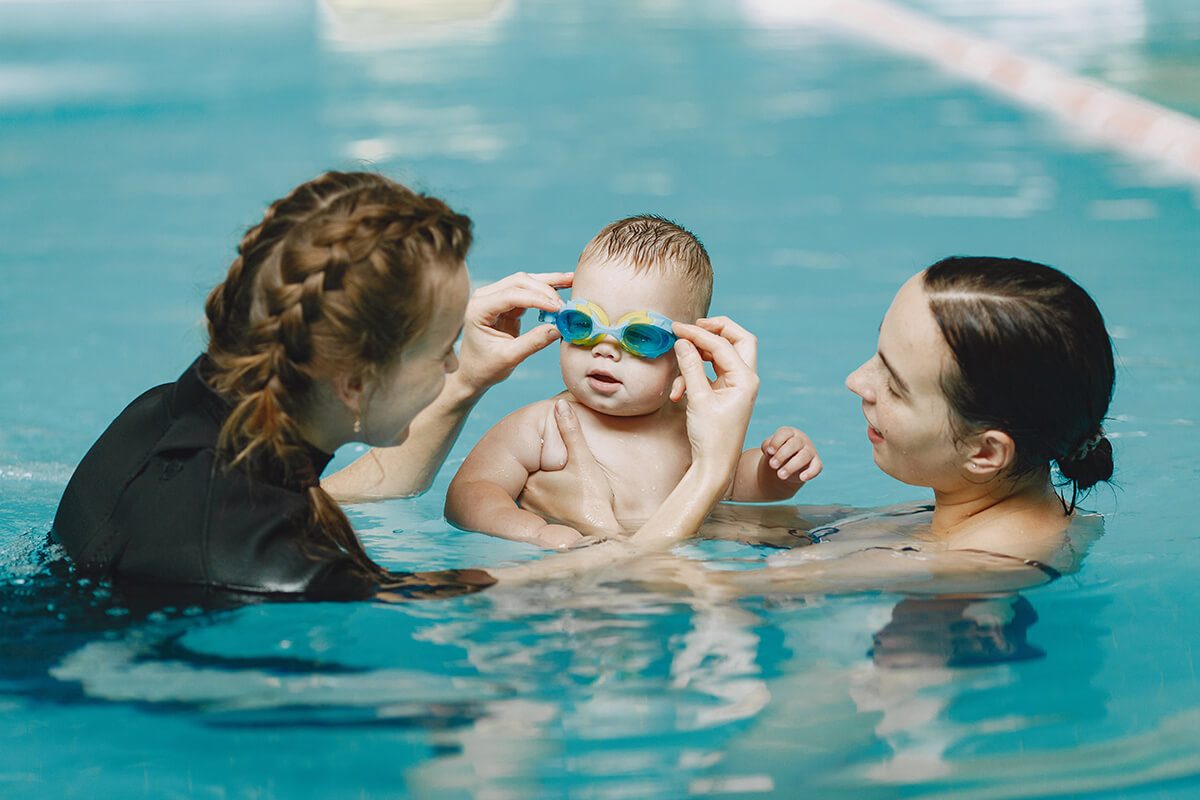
873 434
603 383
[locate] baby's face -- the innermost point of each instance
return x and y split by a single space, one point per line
605 377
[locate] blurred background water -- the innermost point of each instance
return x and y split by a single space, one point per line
139 139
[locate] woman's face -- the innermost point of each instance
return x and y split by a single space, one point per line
411 383
908 418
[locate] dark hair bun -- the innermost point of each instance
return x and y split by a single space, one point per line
1093 468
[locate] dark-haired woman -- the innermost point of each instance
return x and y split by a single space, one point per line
988 372
337 323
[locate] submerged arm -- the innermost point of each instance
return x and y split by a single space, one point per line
887 570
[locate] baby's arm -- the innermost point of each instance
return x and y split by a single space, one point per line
776 470
482 496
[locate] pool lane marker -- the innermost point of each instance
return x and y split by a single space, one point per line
1101 113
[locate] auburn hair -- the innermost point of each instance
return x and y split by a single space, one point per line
337 277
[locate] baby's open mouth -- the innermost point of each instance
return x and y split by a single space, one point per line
603 382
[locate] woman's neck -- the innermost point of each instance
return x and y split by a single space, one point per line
973 508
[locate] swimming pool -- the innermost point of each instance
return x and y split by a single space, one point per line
137 140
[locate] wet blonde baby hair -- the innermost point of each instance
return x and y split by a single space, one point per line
649 243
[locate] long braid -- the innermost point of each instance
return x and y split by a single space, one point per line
228 304
331 277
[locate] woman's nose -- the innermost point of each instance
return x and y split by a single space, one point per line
859 383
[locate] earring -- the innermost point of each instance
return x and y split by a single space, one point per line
357 424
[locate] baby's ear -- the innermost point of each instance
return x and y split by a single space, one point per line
677 387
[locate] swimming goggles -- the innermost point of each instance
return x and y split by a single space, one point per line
642 333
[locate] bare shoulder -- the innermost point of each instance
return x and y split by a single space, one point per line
518 434
1038 535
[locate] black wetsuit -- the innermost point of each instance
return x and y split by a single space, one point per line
150 504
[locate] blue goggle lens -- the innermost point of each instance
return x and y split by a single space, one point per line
647 340
575 326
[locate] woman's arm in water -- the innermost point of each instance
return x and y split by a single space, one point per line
718 414
872 570
492 347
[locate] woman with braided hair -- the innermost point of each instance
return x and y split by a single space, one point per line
337 323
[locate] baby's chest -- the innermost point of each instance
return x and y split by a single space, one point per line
641 472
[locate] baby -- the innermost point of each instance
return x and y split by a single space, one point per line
633 279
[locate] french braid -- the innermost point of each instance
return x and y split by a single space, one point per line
334 279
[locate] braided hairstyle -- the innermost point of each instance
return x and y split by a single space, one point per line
1033 359
336 278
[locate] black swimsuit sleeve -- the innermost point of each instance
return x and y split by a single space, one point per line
341 579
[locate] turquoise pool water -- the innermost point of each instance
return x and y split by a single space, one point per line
137 140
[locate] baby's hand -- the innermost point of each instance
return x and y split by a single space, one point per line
559 537
792 455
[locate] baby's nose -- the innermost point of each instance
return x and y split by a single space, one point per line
607 348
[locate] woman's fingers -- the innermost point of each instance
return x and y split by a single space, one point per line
491 306
543 282
492 344
717 349
559 280
744 342
677 387
534 340
572 434
691 366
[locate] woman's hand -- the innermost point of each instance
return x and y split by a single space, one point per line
492 344
579 490
718 411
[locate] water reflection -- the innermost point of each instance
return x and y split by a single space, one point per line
956 632
915 654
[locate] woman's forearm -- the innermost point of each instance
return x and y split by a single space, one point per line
407 469
676 519
884 569
685 509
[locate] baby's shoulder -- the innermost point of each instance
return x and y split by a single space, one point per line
524 432
527 415
536 427
530 416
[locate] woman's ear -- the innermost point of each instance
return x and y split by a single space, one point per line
350 390
992 453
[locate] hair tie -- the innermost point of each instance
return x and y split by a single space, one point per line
1085 449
